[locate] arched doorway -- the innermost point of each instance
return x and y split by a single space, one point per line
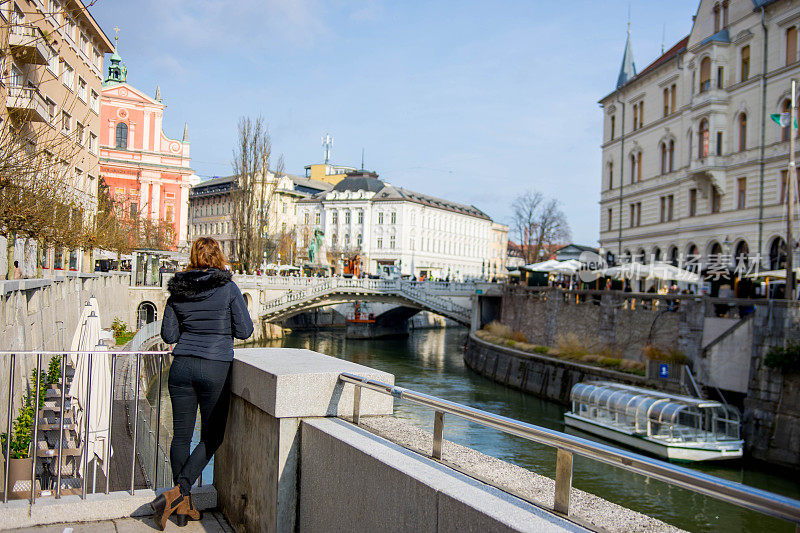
145 313
742 251
777 254
673 256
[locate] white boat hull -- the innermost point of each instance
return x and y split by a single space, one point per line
674 452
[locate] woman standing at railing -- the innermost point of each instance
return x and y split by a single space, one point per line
204 313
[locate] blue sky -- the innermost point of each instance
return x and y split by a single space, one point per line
471 101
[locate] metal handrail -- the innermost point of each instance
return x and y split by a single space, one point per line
721 489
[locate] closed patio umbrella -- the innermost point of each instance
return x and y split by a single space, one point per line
91 389
90 307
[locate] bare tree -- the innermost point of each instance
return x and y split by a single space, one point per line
539 224
252 194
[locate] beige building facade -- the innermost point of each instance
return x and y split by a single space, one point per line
692 164
52 73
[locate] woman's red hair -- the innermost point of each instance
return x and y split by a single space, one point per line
206 253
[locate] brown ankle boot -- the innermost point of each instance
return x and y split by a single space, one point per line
165 504
187 511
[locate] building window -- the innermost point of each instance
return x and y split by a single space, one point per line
716 18
791 45
741 196
671 155
122 136
720 77
391 242
641 114
347 217
663 208
92 143
380 218
360 217
68 76
393 219
719 143
670 206
705 74
673 97
169 213
66 122
703 139
664 158
79 133
639 166
346 238
380 242
716 200
316 218
359 240
784 185
610 218
633 168
335 217
638 213
613 125
610 175
635 116
692 202
742 132
725 14
305 218
666 102
745 63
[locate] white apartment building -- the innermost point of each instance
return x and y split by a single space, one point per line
692 163
388 225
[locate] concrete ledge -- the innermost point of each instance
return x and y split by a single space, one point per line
96 507
354 480
294 383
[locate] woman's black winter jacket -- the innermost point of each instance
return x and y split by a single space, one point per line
204 312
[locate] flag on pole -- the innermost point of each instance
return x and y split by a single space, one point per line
782 119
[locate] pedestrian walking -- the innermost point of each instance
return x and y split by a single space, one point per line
204 313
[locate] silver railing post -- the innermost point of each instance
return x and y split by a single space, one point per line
86 415
158 422
356 404
63 387
135 422
563 481
438 432
34 441
110 422
10 412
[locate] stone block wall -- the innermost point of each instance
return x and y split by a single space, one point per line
605 320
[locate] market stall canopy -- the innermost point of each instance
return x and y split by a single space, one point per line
282 268
772 274
544 266
570 267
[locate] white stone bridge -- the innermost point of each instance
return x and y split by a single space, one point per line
276 298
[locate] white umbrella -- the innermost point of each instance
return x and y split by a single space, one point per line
90 307
544 266
91 388
570 267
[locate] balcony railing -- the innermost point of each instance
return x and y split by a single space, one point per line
27 103
28 45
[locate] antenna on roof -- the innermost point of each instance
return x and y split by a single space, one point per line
362 158
327 143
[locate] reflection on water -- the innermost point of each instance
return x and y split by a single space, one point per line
431 361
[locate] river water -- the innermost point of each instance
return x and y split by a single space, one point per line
431 361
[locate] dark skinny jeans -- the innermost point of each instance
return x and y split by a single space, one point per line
193 382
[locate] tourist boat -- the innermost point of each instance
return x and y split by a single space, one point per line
675 427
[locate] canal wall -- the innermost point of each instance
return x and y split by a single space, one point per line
772 405
544 376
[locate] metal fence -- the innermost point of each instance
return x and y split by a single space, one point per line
566 445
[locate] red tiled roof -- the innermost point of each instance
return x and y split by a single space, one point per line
665 57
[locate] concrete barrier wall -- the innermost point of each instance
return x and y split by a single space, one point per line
353 480
42 314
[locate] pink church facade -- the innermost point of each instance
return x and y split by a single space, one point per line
146 171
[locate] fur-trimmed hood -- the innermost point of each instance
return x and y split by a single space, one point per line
197 284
